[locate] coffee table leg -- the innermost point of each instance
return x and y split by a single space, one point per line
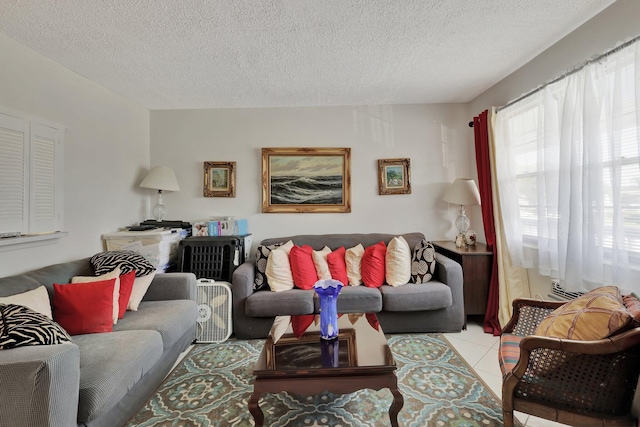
396 406
254 409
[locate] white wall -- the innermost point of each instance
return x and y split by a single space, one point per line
436 138
106 153
617 23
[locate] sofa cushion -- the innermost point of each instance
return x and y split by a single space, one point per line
166 317
509 352
595 315
416 297
110 365
356 299
423 262
262 256
338 265
398 262
269 304
84 308
105 262
278 269
115 274
20 326
36 299
373 265
302 268
353 259
320 261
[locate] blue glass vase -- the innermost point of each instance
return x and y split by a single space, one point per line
328 291
330 353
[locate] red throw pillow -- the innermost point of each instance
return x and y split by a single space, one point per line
84 308
373 265
301 323
303 269
338 266
126 285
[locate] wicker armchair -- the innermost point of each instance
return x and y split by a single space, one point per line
580 383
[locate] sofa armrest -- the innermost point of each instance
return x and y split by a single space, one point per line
170 286
449 272
40 385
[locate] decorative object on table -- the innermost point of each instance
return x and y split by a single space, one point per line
206 383
160 178
394 176
219 179
328 291
463 192
303 180
471 237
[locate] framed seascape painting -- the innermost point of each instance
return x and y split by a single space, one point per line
219 179
298 180
394 176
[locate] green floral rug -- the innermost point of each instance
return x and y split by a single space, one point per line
212 385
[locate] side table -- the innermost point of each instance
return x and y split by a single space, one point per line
477 263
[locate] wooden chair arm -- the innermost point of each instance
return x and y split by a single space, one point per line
518 303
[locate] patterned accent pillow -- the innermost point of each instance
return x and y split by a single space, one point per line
423 263
128 261
595 315
262 256
632 304
21 326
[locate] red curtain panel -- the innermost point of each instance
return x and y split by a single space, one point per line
481 131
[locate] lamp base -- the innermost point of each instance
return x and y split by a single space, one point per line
159 210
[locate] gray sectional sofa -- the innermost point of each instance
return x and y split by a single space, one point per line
436 306
99 379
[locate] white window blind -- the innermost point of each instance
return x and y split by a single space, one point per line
31 190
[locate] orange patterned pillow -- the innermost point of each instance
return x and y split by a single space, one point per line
595 315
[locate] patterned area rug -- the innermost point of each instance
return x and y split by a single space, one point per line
212 385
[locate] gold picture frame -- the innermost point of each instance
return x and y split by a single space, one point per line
285 353
394 176
306 180
219 179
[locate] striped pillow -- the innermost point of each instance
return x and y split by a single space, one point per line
128 261
20 326
509 352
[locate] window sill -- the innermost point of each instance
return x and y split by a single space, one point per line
30 240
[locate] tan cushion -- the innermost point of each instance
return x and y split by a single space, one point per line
398 262
353 259
595 315
320 261
36 299
278 270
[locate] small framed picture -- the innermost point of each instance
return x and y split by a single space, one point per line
219 179
394 176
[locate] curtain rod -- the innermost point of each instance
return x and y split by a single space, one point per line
570 72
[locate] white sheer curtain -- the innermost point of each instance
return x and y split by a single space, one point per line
568 172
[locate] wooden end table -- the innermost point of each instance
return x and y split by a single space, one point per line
365 361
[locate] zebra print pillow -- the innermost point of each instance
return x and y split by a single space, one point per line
128 261
21 326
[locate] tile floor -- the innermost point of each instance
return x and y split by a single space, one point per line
480 350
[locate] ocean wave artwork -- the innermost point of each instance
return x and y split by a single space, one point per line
306 190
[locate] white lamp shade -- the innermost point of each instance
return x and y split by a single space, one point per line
463 191
161 178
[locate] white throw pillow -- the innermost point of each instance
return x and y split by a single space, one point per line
280 326
278 269
353 259
320 261
398 262
140 286
36 299
114 274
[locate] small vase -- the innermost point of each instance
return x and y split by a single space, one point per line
330 353
328 291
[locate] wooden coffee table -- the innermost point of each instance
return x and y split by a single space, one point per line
296 366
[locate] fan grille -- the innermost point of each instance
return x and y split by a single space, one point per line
214 311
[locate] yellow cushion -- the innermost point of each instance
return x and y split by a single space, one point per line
595 315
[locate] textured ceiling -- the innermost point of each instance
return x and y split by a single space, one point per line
173 54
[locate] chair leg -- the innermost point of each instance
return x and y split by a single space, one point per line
507 418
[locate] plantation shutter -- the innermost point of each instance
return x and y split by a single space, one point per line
45 213
14 174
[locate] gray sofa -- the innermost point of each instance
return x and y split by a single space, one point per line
437 306
99 379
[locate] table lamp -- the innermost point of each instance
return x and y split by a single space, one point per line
160 178
463 191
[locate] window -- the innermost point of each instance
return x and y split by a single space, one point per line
568 168
31 181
